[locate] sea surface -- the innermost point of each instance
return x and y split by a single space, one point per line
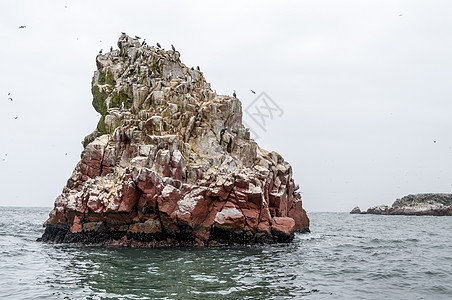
344 257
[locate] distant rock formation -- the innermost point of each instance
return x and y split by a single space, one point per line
355 210
171 163
419 204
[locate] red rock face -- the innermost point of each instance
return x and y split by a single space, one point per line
160 174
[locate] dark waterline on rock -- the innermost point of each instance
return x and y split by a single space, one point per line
345 257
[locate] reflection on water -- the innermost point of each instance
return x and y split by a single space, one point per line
345 257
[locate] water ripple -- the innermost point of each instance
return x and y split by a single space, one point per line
345 257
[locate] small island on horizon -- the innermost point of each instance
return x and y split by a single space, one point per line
429 204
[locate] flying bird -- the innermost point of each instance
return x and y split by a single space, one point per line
10 98
234 94
22 26
253 92
15 118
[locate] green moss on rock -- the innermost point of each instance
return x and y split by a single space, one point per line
110 78
99 98
101 128
118 98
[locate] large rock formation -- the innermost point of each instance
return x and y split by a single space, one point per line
171 163
419 204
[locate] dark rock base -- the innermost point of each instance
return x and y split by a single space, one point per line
108 237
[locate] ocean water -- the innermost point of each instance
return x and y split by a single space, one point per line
344 257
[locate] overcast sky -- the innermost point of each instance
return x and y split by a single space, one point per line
365 87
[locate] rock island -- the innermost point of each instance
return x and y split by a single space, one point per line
418 204
171 164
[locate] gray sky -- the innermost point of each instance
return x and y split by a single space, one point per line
365 87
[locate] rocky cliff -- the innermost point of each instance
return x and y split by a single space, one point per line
419 204
171 163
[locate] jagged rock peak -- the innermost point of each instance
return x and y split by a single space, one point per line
170 163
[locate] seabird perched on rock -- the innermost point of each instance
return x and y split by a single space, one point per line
137 37
172 47
253 92
111 48
143 43
158 45
197 68
192 68
22 26
222 133
234 94
100 51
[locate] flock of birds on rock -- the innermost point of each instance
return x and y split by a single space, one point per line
111 50
174 50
